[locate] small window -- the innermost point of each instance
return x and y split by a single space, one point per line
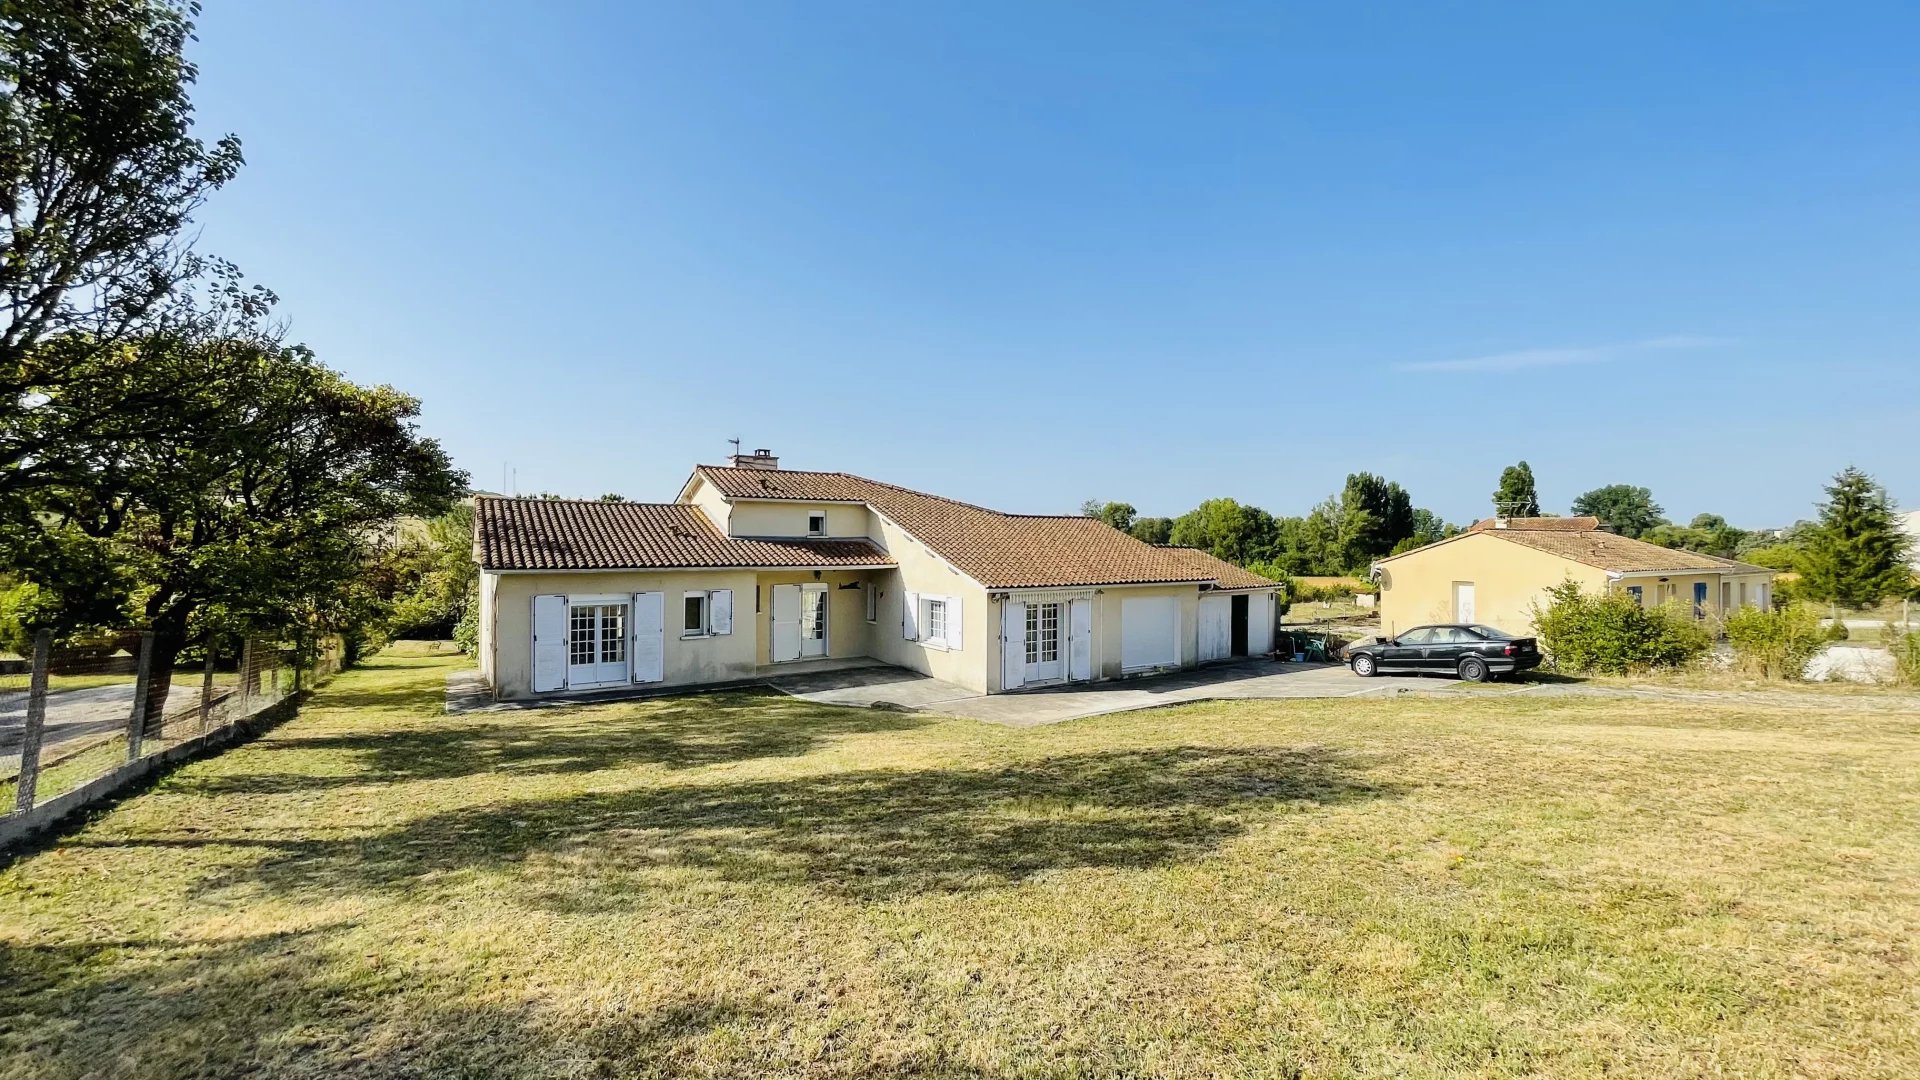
816 523
696 621
1639 594
936 620
873 601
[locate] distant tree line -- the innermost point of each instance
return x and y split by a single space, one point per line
1854 554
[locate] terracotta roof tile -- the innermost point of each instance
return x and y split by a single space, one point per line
1610 551
1537 524
1225 575
1001 551
556 534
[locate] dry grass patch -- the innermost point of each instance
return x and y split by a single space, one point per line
741 884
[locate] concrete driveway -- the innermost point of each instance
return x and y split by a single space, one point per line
889 686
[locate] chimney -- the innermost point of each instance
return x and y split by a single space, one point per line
1499 522
760 459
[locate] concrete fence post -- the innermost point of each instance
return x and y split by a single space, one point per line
137 716
206 686
24 788
246 676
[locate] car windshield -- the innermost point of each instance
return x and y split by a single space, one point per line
1490 633
1418 636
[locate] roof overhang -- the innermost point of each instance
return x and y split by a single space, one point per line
687 569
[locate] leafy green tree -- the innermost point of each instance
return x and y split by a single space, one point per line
257 497
1117 514
1153 530
1429 528
1516 496
435 578
1377 514
1630 510
1226 529
1858 554
1708 534
100 174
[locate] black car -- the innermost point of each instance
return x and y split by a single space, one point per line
1468 650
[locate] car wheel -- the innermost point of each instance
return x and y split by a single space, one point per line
1363 666
1473 670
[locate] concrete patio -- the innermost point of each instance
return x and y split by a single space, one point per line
871 684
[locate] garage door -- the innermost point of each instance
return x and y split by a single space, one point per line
1149 633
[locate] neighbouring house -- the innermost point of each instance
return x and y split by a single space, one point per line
755 570
1910 524
1496 571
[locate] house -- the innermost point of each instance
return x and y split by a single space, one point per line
1495 572
755 569
1910 524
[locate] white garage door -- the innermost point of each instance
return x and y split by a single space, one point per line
1149 633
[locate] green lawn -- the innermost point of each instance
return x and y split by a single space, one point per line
741 885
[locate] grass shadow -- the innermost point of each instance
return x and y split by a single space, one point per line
865 835
681 733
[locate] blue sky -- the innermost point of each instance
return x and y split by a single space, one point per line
1027 254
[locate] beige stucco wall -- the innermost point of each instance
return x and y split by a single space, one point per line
709 500
790 518
1417 588
688 661
847 627
919 570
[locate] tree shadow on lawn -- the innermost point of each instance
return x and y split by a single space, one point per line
300 1003
863 835
679 733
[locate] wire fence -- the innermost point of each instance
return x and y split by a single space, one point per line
86 716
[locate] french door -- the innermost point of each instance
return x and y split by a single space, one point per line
1045 659
596 644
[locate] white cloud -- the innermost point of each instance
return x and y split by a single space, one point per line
1522 359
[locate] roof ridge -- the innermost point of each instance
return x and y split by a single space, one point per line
537 499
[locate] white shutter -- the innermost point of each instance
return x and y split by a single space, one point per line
649 636
720 611
956 632
1260 624
783 626
1216 635
1080 640
549 643
1013 644
910 616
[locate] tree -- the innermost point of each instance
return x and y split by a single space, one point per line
1153 530
1629 509
1429 528
1377 513
1857 556
1516 496
1227 530
435 577
1708 534
1117 514
99 175
259 516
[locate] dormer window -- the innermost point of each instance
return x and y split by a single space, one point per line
816 523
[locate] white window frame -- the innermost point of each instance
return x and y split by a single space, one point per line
706 613
822 530
930 605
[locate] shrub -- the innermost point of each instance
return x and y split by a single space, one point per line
1906 655
1776 644
1611 634
466 632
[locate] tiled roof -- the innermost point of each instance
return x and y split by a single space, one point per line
1225 575
1610 551
1537 524
564 534
1001 551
